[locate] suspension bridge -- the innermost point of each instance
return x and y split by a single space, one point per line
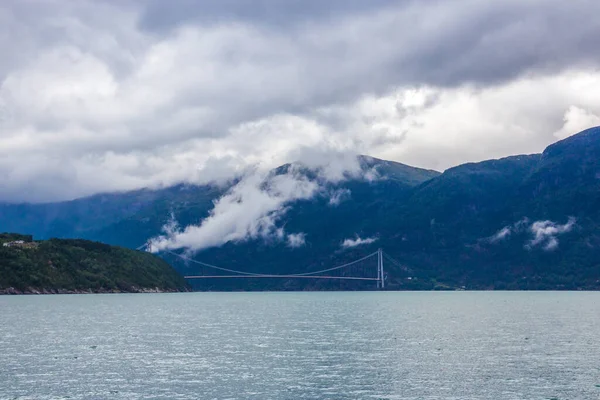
367 268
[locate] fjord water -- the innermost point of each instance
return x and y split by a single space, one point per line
458 345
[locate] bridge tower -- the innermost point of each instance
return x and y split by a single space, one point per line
380 274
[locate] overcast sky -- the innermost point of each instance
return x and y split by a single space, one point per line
119 94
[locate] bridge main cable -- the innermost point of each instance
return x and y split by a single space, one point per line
338 267
249 274
396 263
210 265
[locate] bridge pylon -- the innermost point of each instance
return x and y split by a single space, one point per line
380 274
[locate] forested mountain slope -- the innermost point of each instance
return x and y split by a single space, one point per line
521 222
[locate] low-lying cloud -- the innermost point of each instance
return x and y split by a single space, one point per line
338 196
501 234
545 233
253 208
250 210
295 240
358 241
507 231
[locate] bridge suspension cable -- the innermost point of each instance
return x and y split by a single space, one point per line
210 265
338 267
395 262
270 275
357 272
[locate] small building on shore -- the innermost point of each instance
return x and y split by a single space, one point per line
20 244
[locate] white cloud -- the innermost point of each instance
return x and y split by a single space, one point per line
249 211
551 243
545 232
295 240
501 234
505 232
503 119
576 120
358 241
338 196
253 206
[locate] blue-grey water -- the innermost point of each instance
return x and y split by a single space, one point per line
459 345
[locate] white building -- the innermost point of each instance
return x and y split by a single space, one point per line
15 243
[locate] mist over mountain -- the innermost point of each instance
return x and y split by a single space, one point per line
521 222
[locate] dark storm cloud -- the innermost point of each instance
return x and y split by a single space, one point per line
159 15
427 42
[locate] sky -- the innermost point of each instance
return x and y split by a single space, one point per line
114 95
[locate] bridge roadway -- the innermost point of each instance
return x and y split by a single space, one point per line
281 276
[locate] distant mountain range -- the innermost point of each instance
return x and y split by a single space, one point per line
522 222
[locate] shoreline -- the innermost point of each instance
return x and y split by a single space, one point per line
35 291
16 292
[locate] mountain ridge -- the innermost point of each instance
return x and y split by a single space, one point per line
439 223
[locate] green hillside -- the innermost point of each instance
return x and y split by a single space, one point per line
65 265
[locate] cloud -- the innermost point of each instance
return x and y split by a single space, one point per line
116 95
501 234
576 120
159 16
338 196
505 232
545 232
250 210
358 241
296 240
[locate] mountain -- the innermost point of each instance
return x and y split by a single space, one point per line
127 219
398 172
521 222
73 266
532 197
568 177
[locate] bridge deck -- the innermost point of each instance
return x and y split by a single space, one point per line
279 276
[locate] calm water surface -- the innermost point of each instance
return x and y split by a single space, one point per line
459 345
